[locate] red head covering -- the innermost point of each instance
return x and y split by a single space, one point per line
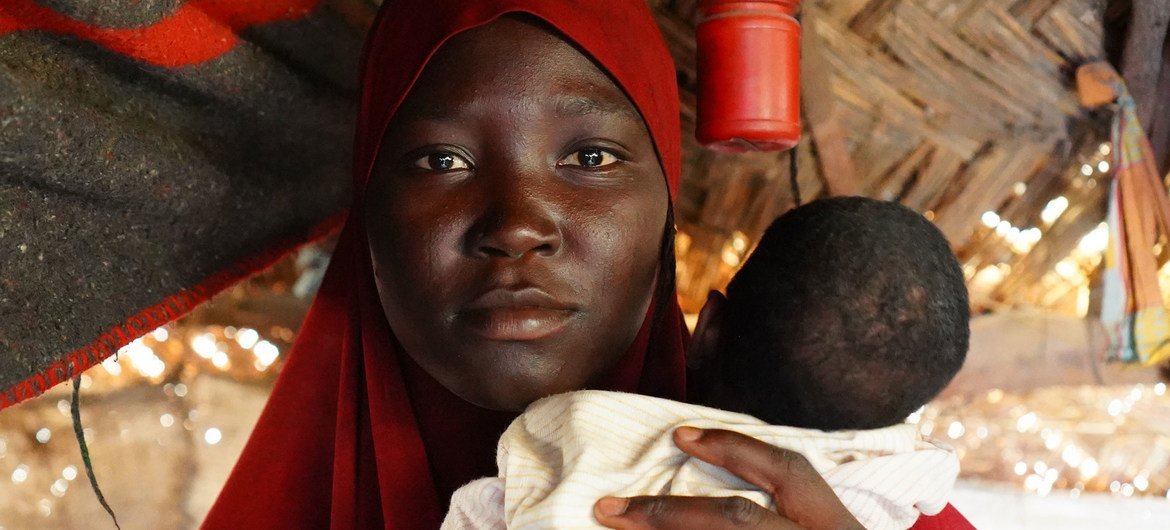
355 435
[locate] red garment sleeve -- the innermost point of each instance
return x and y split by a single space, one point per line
948 519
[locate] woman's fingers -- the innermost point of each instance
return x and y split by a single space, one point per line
800 493
707 513
803 498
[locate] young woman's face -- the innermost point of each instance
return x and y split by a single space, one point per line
515 218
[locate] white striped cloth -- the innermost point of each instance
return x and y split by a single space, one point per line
569 450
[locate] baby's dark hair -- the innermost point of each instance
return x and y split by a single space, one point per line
850 314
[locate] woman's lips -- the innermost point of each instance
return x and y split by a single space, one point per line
524 314
517 323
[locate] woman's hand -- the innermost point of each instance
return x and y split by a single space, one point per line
802 497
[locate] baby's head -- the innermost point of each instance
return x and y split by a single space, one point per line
850 314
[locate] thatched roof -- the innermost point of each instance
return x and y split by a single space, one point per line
952 107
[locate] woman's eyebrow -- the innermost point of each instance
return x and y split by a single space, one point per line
426 112
581 105
563 106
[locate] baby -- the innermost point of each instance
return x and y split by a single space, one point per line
850 315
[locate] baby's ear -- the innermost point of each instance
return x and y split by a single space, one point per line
705 341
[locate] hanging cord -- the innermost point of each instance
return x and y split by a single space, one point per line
75 409
792 176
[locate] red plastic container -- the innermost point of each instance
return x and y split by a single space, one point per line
749 75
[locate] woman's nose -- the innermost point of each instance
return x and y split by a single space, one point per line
515 224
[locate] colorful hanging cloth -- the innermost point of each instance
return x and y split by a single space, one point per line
1132 307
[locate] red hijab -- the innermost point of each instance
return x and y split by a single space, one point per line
355 435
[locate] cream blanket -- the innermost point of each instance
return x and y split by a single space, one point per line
568 450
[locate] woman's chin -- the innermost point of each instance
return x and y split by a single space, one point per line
513 391
508 375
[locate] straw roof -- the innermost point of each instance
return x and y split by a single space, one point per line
952 107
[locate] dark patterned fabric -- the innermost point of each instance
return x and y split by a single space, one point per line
152 152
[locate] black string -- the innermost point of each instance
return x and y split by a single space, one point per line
792 176
75 409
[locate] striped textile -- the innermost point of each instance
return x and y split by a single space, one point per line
1132 307
569 450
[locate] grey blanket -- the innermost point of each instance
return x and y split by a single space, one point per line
151 153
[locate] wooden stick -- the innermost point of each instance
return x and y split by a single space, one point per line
1159 128
1141 62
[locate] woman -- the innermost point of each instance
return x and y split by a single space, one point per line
510 237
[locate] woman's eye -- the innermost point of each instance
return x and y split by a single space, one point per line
589 158
442 162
